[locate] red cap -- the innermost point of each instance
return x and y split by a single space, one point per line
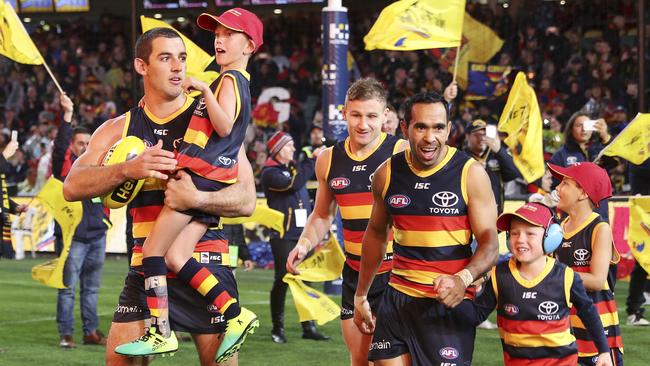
533 213
277 142
237 19
592 178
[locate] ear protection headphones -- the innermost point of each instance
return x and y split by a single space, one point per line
553 235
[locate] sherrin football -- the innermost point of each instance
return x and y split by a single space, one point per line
123 150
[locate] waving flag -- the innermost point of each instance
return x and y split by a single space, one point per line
633 143
15 43
416 25
522 121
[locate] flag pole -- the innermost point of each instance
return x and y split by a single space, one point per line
42 58
456 63
52 76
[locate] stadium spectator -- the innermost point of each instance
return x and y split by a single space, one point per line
87 251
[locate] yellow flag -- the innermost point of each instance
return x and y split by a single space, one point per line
633 143
262 215
639 230
197 59
324 265
67 215
417 25
522 121
480 43
15 43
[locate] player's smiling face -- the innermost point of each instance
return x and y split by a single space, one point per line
165 69
427 133
365 118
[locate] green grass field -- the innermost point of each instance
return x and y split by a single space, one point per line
28 332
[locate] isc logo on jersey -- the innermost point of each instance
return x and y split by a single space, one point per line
399 201
339 183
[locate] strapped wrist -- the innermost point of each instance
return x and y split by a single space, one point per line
465 276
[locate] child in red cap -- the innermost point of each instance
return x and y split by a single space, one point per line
532 293
208 153
588 248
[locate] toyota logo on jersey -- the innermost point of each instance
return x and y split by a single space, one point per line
445 199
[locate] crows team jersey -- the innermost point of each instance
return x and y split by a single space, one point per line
431 228
349 179
145 207
534 315
575 251
206 153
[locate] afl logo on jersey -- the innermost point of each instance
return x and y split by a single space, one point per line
511 309
448 353
339 183
399 201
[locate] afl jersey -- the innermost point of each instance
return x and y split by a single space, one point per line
145 207
576 252
430 221
206 153
533 315
349 178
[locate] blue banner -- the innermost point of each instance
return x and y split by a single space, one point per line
335 72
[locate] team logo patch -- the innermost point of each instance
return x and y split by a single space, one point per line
449 353
511 309
224 160
548 307
581 254
399 201
445 199
339 183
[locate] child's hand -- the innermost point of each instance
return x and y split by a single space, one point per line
190 84
604 359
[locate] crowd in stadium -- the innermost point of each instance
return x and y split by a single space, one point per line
587 63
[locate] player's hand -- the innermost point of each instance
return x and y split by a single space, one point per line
191 84
248 265
151 163
181 193
296 256
604 359
451 91
363 317
450 289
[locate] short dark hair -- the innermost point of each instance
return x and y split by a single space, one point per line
81 129
367 89
423 98
143 45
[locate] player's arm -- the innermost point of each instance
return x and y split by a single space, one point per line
588 313
601 249
88 179
320 219
482 211
236 200
222 108
373 249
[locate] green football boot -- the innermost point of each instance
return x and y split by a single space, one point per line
150 344
237 329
